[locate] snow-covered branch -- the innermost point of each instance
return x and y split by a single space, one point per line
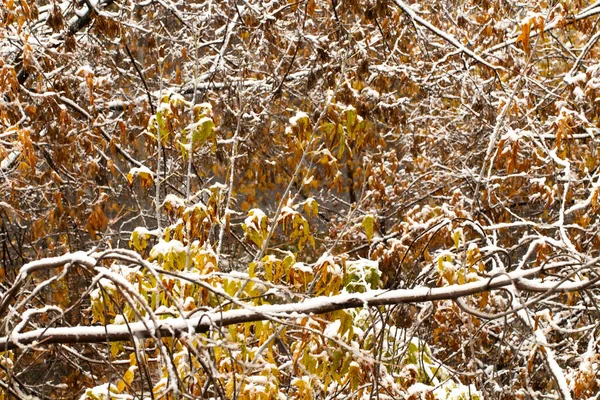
218 318
444 35
78 257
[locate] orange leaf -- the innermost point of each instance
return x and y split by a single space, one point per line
524 37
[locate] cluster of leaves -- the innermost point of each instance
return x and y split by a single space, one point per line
263 153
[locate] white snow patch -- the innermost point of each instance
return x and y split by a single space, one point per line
580 77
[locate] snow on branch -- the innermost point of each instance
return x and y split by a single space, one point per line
587 12
78 257
219 318
447 37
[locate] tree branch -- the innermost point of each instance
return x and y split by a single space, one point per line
447 37
318 305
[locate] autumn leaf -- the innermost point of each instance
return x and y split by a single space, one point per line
523 37
201 131
256 226
368 224
143 173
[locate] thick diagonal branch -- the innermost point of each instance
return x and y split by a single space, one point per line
446 36
318 305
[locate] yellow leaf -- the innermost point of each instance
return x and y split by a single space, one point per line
368 224
456 237
146 176
127 378
256 226
139 238
203 129
311 207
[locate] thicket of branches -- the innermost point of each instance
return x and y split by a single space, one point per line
299 199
